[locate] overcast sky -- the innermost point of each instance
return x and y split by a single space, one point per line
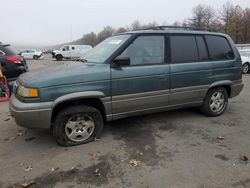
47 22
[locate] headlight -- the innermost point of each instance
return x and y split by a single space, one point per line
27 92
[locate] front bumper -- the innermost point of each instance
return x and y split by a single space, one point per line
31 115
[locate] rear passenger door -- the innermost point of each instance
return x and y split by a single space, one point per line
190 69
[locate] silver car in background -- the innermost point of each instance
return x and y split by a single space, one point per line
245 57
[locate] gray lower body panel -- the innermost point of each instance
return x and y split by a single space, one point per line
236 89
31 115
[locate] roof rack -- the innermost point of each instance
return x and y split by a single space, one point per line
163 27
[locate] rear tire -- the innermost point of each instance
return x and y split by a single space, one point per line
215 102
77 125
59 57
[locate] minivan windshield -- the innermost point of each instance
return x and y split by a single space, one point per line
101 52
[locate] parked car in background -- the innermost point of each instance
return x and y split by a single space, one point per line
12 64
129 74
31 54
70 52
245 57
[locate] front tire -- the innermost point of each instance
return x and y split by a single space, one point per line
215 102
59 57
77 125
35 57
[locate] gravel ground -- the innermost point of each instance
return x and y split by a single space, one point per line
181 148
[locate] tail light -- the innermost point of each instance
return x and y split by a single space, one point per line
15 59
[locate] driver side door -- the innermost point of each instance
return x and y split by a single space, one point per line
143 85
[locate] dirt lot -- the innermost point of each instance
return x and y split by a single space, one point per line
176 149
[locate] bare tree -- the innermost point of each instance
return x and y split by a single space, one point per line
90 39
105 33
246 26
230 19
121 30
203 16
226 14
135 26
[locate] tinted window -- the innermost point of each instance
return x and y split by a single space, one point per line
203 54
219 48
183 49
146 50
66 48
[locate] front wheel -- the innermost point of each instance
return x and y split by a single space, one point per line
77 125
35 57
215 102
59 57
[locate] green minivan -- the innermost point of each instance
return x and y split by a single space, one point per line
126 75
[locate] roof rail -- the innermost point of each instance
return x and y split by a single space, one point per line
163 27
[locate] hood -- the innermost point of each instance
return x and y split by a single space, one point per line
66 73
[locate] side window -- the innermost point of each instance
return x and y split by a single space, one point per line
203 54
146 50
183 49
66 48
219 48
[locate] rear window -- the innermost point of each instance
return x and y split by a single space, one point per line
219 48
183 49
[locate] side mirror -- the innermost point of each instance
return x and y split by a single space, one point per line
120 61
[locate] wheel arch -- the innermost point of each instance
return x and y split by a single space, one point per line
89 98
225 83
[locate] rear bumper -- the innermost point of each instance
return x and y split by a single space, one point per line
31 115
236 88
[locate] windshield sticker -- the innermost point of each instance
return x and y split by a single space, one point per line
115 42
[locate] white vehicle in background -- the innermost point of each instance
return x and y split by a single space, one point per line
245 57
70 52
31 54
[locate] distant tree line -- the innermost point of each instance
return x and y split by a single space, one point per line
230 19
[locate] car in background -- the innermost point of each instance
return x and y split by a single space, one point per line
70 52
31 54
12 64
245 57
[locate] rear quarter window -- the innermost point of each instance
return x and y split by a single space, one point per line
219 48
